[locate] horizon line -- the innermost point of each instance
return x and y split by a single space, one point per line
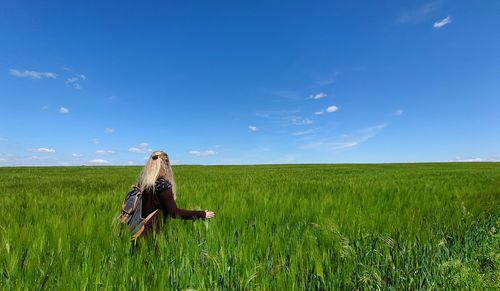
258 164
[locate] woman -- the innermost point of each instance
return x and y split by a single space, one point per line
158 193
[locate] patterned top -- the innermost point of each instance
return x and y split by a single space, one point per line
162 184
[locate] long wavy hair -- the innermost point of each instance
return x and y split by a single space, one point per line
158 165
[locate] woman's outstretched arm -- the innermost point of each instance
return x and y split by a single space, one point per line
167 201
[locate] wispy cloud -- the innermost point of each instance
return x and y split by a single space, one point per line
64 110
284 117
319 112
304 132
76 155
104 152
205 153
418 14
399 112
285 94
75 80
317 96
109 130
38 159
322 79
474 159
71 80
442 22
253 128
96 141
2 139
32 74
141 148
43 150
301 121
346 141
99 162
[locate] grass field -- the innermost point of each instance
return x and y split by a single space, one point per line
277 227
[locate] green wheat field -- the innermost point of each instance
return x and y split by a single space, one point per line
277 227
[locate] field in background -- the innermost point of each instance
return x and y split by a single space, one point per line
277 227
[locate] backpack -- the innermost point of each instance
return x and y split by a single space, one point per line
131 212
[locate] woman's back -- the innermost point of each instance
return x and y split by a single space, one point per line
162 198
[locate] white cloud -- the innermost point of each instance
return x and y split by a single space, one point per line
71 80
130 163
305 132
329 109
40 159
99 161
96 141
141 148
32 74
109 130
399 112
442 22
284 117
76 155
318 96
204 153
470 160
323 79
64 110
332 108
346 141
43 150
301 121
253 128
475 159
3 160
418 14
75 81
104 152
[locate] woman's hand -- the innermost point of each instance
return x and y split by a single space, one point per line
209 214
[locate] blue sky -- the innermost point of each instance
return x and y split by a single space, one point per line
249 82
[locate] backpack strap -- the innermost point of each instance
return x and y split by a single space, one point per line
142 224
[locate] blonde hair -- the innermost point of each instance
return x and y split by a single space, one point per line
158 165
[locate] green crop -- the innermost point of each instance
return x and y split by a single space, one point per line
277 227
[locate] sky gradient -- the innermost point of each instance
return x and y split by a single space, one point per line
233 82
